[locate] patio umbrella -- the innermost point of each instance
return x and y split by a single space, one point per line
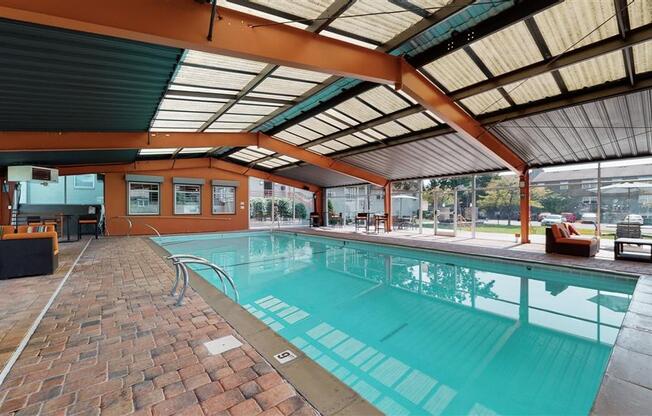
401 197
615 303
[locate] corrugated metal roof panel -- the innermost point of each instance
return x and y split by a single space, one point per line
640 13
335 145
239 118
595 71
356 109
643 57
261 110
231 126
189 105
455 70
318 176
303 132
485 102
380 28
289 137
443 155
182 115
509 49
59 80
320 149
351 140
533 89
605 129
306 9
383 100
568 22
177 124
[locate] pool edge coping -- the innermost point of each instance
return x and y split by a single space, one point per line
325 392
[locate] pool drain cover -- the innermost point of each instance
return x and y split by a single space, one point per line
220 345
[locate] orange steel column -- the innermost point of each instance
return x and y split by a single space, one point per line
388 206
524 186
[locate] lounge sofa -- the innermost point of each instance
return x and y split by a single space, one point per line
565 239
28 250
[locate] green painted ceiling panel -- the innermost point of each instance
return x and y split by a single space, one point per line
59 80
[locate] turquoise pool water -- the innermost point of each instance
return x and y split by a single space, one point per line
419 332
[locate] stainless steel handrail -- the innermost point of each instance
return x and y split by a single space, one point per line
155 230
180 261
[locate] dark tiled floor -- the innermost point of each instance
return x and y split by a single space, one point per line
114 343
22 299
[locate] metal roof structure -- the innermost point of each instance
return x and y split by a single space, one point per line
556 81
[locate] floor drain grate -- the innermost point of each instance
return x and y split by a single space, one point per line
223 344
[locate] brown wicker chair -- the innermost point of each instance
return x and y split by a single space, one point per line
559 240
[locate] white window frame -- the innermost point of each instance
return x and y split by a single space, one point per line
76 186
176 185
158 206
235 191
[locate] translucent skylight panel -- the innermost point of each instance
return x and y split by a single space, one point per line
260 150
384 100
509 49
231 126
164 151
214 78
379 27
594 71
320 149
335 145
278 162
486 102
197 97
640 13
176 123
643 57
348 39
221 61
283 86
288 159
391 129
194 150
189 105
209 90
433 115
241 118
240 156
222 130
370 135
271 96
182 115
357 110
417 121
303 132
533 89
261 110
289 137
341 117
169 129
307 9
566 23
319 126
351 140
331 121
268 164
455 70
300 74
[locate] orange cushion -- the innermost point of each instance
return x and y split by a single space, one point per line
88 221
572 230
575 241
564 231
555 232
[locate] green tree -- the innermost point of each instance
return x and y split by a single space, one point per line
500 196
300 211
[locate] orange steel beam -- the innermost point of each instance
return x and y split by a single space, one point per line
184 164
428 95
313 158
183 24
34 141
524 186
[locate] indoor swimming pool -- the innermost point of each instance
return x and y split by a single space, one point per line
424 332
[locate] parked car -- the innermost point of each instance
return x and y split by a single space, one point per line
634 219
542 215
589 218
569 216
552 219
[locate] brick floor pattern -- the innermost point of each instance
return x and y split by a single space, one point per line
113 343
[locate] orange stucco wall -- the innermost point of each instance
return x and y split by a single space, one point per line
115 197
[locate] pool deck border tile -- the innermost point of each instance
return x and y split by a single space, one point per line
325 392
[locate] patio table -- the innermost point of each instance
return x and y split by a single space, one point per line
620 254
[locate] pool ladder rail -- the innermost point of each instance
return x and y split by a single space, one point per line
179 261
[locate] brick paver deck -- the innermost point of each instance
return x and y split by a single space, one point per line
23 299
113 342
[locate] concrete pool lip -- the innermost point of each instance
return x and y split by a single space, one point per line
621 380
321 389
